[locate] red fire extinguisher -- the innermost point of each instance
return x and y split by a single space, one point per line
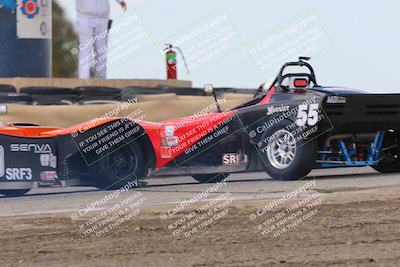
172 72
170 54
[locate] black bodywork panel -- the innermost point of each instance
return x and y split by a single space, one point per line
27 159
365 113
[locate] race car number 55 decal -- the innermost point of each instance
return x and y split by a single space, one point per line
307 114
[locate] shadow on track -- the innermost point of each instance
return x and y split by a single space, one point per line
153 187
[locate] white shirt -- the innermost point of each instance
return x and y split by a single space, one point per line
94 8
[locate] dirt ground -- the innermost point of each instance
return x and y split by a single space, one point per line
353 228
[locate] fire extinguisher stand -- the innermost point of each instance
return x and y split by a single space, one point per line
170 54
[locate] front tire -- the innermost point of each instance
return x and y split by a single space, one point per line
210 178
14 192
390 162
286 158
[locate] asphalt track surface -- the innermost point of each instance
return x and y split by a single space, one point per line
161 191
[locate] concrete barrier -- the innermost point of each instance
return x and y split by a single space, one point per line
72 83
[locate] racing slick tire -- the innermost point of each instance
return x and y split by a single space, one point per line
43 90
14 192
138 90
121 167
97 91
6 88
285 159
391 161
45 100
210 177
15 98
188 91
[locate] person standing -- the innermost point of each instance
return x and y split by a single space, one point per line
92 25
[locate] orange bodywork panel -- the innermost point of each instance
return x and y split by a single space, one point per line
24 131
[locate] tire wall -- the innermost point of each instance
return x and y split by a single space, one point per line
67 116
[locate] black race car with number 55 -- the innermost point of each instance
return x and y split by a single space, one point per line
287 130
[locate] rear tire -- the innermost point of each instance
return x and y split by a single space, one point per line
210 177
391 161
137 90
42 100
14 192
121 167
284 158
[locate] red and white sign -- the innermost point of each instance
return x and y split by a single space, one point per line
34 19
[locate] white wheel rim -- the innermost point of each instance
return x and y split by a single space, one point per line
281 149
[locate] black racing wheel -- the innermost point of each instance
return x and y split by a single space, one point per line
390 161
120 167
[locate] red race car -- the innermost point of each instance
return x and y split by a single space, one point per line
287 130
